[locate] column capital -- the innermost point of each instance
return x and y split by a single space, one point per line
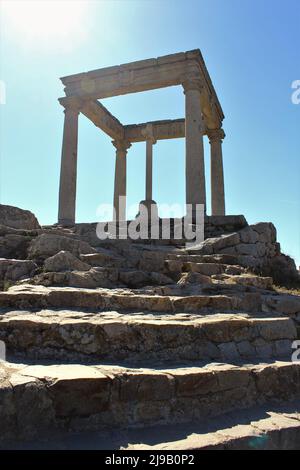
192 84
215 135
121 145
71 104
148 133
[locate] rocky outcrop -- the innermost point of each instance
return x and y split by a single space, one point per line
15 217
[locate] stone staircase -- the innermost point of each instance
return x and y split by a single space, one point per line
167 340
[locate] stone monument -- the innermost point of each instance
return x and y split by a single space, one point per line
203 117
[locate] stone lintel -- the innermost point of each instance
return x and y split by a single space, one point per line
168 129
169 70
103 119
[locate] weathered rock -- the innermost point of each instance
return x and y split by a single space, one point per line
251 280
91 279
286 304
65 261
215 245
103 258
194 278
161 279
117 396
248 261
14 245
152 261
47 245
14 270
134 278
207 269
18 218
283 270
210 312
249 249
266 232
248 235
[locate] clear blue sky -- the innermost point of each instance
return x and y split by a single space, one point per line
251 48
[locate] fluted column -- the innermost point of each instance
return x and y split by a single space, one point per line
68 170
217 175
194 156
120 179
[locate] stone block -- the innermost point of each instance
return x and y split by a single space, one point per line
248 235
47 245
65 261
229 350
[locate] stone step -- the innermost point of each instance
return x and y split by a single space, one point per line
264 427
42 398
29 296
97 277
103 258
259 428
208 269
74 335
219 258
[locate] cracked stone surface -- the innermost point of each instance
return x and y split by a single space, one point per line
112 335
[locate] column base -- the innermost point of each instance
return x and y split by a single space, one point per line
66 222
149 208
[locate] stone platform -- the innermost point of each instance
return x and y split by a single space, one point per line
132 339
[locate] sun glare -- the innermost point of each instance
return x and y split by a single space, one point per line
50 20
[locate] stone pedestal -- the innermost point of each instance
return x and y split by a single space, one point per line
151 207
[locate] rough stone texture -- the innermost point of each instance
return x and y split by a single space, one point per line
219 225
18 218
176 325
121 396
39 297
194 278
69 334
46 245
14 243
65 261
91 279
103 258
261 429
14 270
283 270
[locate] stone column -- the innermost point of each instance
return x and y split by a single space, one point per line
149 153
194 157
150 141
148 203
68 170
120 179
217 177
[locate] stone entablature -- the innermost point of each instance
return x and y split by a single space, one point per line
203 116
